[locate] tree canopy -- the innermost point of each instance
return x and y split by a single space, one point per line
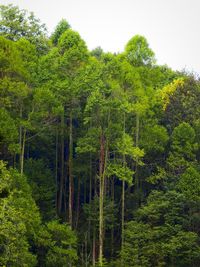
99 152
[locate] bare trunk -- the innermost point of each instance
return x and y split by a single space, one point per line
14 161
84 190
94 247
62 166
137 182
101 198
90 193
90 199
22 152
70 170
123 196
137 130
56 172
78 203
101 193
94 233
86 248
112 230
20 129
20 138
123 207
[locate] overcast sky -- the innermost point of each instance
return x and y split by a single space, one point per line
172 27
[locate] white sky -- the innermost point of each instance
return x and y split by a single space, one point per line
172 27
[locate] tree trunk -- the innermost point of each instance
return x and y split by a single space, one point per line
123 207
62 166
90 199
20 137
94 231
137 182
94 247
70 170
56 172
86 248
85 190
22 152
78 203
123 196
112 230
101 197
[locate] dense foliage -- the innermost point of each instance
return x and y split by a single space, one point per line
99 152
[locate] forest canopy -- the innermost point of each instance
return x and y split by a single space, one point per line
99 152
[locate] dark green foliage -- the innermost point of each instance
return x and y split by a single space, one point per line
97 52
41 179
183 148
8 131
19 219
159 236
159 246
184 104
58 244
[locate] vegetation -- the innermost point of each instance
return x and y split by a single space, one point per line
99 152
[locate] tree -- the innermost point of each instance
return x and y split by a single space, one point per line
138 52
158 237
16 24
61 250
43 188
62 26
97 52
74 54
183 148
183 103
19 219
109 144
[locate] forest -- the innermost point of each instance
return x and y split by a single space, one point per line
99 152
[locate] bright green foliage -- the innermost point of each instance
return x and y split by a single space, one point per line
16 24
120 171
62 26
10 61
48 68
125 146
108 142
169 90
13 93
88 143
154 139
28 55
138 52
73 50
